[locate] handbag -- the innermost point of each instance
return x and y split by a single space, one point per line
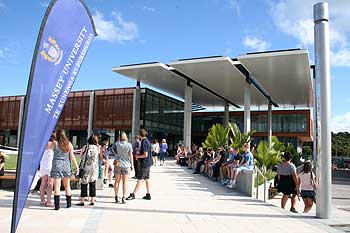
82 163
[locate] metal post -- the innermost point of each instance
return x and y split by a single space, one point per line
136 109
323 96
246 107
188 115
21 106
91 113
226 115
269 124
314 123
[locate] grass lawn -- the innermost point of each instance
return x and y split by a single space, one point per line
11 162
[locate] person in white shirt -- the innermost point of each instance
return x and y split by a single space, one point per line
44 172
307 186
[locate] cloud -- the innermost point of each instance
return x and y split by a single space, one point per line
2 5
340 58
295 18
147 8
341 123
115 30
9 55
234 4
255 43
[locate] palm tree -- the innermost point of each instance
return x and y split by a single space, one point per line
217 137
236 137
266 157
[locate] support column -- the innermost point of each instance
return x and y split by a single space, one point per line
91 113
136 109
323 96
226 115
246 107
269 124
188 115
21 107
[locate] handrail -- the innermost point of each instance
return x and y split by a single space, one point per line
257 182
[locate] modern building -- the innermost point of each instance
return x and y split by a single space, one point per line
163 116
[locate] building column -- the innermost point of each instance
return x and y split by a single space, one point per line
226 115
246 107
323 96
188 115
269 124
21 108
91 114
136 111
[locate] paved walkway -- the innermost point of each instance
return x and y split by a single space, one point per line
181 202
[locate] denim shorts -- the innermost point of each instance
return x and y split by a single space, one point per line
121 170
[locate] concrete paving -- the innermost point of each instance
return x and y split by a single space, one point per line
181 202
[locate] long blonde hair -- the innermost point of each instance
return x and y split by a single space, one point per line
123 137
62 140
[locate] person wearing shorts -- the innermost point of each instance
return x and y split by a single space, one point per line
145 162
123 163
246 164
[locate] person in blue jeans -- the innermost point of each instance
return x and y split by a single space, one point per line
163 152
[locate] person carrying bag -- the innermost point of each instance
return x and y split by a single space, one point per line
88 170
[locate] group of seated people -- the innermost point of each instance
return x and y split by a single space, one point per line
226 163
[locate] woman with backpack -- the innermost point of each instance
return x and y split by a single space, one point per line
307 186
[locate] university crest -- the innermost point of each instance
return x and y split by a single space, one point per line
51 51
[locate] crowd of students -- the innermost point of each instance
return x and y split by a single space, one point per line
118 160
226 162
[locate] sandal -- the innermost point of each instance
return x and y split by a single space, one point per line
42 203
49 204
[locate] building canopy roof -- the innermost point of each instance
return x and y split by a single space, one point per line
282 77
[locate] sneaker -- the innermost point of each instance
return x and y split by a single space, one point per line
92 203
80 204
195 172
111 185
293 210
147 197
131 197
123 200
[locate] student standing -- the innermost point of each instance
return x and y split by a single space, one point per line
123 164
287 181
163 151
89 162
307 186
145 162
45 170
61 167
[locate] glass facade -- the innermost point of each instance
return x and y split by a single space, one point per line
161 114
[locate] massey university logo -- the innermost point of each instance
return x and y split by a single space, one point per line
51 51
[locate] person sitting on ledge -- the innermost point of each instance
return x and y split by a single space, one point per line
246 164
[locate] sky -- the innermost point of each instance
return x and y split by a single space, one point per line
137 31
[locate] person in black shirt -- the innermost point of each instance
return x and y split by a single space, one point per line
144 158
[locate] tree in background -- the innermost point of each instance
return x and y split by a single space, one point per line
237 138
217 137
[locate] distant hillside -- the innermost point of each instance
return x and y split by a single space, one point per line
341 144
